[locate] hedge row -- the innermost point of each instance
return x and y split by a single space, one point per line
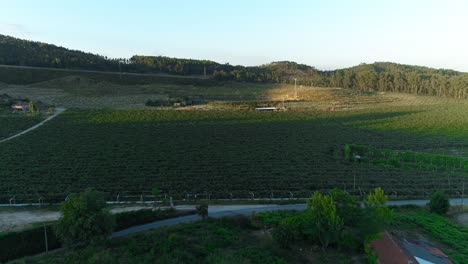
144 216
30 242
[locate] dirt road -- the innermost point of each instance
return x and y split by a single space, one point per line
57 112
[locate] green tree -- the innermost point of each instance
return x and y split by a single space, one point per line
377 200
376 214
202 210
84 218
325 220
347 152
439 203
31 106
346 207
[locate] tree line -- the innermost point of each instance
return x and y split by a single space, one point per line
379 77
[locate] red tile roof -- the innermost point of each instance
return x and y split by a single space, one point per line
390 251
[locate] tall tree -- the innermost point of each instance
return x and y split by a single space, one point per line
85 218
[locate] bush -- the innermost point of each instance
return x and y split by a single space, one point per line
241 221
439 203
202 210
347 152
292 229
127 219
348 242
102 257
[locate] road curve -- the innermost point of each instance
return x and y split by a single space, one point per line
232 210
57 112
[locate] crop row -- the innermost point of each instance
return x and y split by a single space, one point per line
11 124
226 154
409 160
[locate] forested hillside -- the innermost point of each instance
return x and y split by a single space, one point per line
379 76
392 77
20 52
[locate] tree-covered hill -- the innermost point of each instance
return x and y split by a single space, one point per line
20 52
392 77
379 76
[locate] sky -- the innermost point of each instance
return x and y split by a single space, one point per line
327 34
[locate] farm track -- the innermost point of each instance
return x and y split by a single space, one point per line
58 111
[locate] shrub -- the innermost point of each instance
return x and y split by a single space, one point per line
372 257
127 219
348 242
347 152
439 203
202 210
292 229
102 257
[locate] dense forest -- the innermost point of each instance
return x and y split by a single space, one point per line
20 52
380 76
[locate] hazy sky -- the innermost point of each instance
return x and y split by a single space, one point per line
327 33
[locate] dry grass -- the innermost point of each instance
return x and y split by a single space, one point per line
81 92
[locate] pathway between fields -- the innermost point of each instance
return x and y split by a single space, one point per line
57 112
218 211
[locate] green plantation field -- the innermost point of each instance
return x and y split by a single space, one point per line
10 124
222 153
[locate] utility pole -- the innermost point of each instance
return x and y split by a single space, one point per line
120 69
295 89
463 195
45 239
354 179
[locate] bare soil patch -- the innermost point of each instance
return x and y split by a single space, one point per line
462 218
18 220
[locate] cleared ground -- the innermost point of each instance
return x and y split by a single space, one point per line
462 218
75 91
18 219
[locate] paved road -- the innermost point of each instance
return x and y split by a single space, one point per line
58 111
216 211
213 211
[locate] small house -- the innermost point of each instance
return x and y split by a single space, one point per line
266 109
20 106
